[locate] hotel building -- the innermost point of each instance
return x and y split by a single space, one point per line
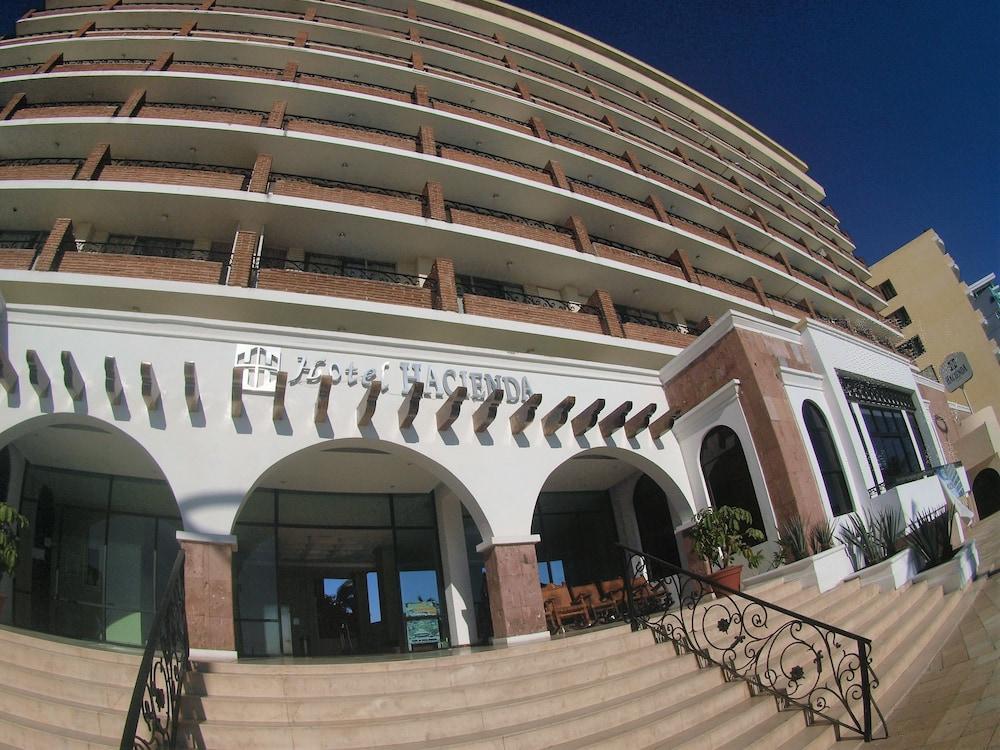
389 313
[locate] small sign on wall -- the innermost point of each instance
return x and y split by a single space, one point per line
955 371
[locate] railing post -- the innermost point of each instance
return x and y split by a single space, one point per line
629 597
866 690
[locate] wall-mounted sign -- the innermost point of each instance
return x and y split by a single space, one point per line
955 371
260 367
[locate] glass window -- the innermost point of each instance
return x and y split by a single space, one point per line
414 510
825 452
901 317
318 509
891 441
578 537
887 289
727 475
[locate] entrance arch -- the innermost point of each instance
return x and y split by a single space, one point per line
986 491
352 546
102 529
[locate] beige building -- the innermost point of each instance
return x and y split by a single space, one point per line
928 300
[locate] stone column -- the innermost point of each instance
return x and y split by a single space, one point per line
514 589
457 594
208 595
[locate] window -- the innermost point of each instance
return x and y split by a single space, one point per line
489 288
887 289
825 451
727 475
900 317
159 246
894 449
912 348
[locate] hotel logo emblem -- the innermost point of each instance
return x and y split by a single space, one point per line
260 365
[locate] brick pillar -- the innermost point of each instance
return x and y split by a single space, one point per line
809 307
659 209
557 174
700 187
610 322
577 67
758 289
261 174
592 93
241 262
434 202
731 237
276 117
679 153
413 34
633 161
498 38
522 91
133 104
60 240
680 256
207 5
290 72
509 62
426 144
162 61
48 65
514 592
783 259
12 105
421 97
611 123
309 15
94 163
187 28
760 220
208 595
442 275
664 125
88 26
581 237
538 129
416 61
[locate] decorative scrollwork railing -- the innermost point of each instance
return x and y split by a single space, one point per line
804 663
157 694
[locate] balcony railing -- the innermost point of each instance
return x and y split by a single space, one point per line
341 267
535 223
523 298
654 322
888 484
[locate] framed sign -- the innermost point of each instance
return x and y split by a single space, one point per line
955 371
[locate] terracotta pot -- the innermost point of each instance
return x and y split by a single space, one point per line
730 577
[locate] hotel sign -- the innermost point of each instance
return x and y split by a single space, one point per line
955 371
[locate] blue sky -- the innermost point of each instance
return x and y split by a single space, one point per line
895 105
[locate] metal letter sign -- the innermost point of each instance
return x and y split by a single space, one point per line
955 371
260 367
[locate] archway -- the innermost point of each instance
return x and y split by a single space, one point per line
727 475
656 526
986 490
102 529
349 547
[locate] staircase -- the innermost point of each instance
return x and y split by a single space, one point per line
605 687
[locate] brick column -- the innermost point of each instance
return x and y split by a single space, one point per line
659 209
633 161
558 175
16 101
434 202
421 97
82 31
241 262
290 72
94 163
300 39
758 289
416 61
442 275
208 595
426 144
60 240
48 65
538 128
581 237
162 61
514 590
261 174
610 322
276 117
133 104
680 256
522 91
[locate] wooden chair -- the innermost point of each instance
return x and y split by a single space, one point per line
601 607
560 607
614 590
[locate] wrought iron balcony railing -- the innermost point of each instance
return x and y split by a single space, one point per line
523 298
804 663
153 250
654 322
343 267
888 484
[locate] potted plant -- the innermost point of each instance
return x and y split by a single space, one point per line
11 524
719 535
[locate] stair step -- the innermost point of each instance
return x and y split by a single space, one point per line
28 734
59 687
86 718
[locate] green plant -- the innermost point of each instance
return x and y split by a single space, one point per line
929 535
821 536
876 537
11 524
720 534
792 537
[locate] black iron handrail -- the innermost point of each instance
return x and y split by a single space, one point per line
725 279
153 250
341 185
643 320
638 252
526 299
805 663
341 267
888 484
536 223
158 686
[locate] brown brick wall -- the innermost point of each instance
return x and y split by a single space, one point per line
38 172
442 276
614 200
445 107
335 131
754 360
722 286
341 286
941 415
538 175
13 258
70 110
170 176
200 115
653 335
142 267
507 226
300 189
241 261
499 308
60 240
592 151
613 253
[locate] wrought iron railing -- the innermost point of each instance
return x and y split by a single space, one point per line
638 252
888 484
158 686
523 298
536 223
804 663
654 322
341 267
153 250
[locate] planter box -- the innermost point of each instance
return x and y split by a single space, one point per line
955 574
889 574
824 570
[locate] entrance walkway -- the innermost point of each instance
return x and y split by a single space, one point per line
956 703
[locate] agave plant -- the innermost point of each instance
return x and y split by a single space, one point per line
821 536
930 536
875 537
792 537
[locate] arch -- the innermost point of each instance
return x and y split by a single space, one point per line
656 527
831 468
986 491
727 474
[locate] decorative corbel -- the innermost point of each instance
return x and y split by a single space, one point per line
640 421
451 408
483 417
366 409
112 381
150 388
557 417
615 420
587 418
525 414
236 395
659 426
8 375
411 405
278 413
192 395
323 399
